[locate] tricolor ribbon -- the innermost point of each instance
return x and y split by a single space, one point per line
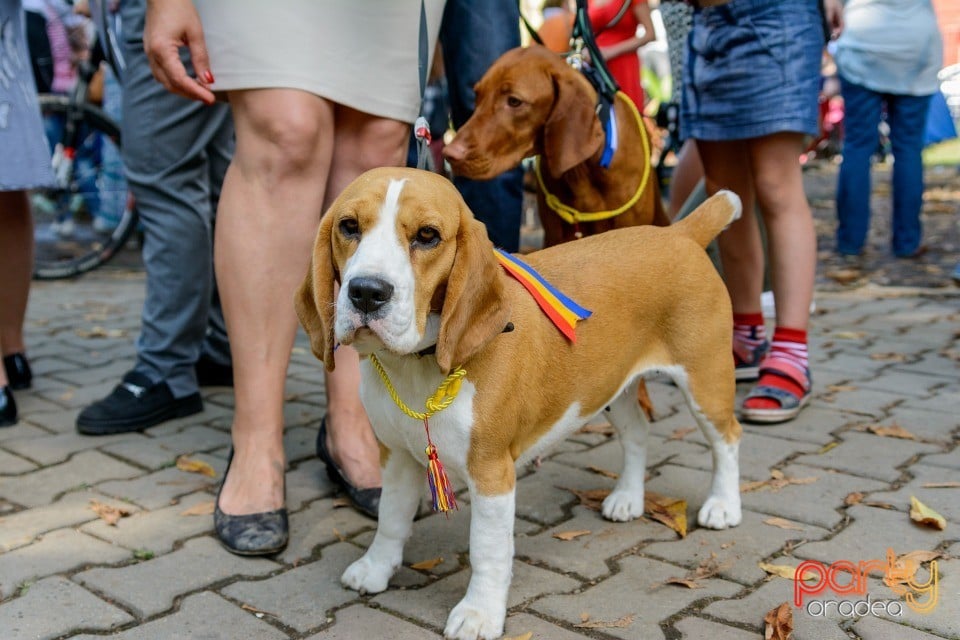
563 311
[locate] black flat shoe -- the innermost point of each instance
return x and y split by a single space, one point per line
213 374
8 408
18 371
366 501
253 534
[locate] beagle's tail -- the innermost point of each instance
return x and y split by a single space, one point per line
710 218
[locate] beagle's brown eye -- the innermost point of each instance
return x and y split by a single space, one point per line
350 228
514 101
427 237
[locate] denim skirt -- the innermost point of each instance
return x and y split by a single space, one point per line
753 68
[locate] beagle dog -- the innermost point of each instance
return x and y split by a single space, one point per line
421 289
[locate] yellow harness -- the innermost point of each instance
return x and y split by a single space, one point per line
573 216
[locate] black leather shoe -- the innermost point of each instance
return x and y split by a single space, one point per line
213 374
253 534
366 501
8 408
134 405
18 371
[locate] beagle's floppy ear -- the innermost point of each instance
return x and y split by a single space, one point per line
572 132
475 310
314 299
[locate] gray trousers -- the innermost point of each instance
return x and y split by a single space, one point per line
175 152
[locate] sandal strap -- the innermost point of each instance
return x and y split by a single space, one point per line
786 369
786 399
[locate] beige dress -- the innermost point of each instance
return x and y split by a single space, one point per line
360 53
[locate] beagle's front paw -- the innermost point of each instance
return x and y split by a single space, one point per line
366 576
470 621
623 505
719 513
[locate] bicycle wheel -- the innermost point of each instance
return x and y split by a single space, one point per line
85 219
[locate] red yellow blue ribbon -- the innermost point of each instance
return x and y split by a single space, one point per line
563 311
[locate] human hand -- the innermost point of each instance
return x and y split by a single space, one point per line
833 12
169 25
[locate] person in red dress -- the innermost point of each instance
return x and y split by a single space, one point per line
619 42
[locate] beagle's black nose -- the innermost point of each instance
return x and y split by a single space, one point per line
369 294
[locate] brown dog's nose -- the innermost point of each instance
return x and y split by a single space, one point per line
368 294
454 152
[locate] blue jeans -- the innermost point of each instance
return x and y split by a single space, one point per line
473 35
907 117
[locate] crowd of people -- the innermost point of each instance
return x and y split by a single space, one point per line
240 128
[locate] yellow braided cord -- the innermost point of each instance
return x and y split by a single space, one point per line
571 215
442 398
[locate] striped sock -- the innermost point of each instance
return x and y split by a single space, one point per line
790 346
749 333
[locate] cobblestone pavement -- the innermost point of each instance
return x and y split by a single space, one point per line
883 356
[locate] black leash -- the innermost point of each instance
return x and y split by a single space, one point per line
421 128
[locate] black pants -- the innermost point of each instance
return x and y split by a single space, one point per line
41 57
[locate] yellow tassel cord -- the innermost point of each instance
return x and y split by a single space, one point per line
441 491
573 216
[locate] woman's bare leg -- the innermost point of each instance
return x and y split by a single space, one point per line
16 265
267 219
362 142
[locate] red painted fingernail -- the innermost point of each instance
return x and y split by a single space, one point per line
208 76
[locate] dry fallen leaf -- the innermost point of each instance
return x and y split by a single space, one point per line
680 434
199 509
257 612
878 505
426 565
619 623
336 503
844 276
602 428
192 465
941 485
782 523
590 498
923 514
848 335
889 356
686 582
522 636
784 571
571 535
828 447
776 482
603 472
100 332
893 431
669 511
109 513
778 623
906 566
853 498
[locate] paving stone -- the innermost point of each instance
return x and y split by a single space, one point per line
110 371
859 400
321 523
433 603
872 628
161 488
519 624
11 465
853 367
861 455
950 460
358 621
84 469
945 501
55 606
587 555
918 386
53 419
816 503
150 587
736 551
636 590
300 443
22 429
758 455
306 483
542 495
59 551
933 426
21 528
609 455
205 616
48 449
750 610
816 424
931 363
159 530
302 597
869 535
700 628
157 452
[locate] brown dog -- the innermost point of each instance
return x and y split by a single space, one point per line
531 102
421 289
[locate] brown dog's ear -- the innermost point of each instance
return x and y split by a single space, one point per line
314 299
475 310
572 132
